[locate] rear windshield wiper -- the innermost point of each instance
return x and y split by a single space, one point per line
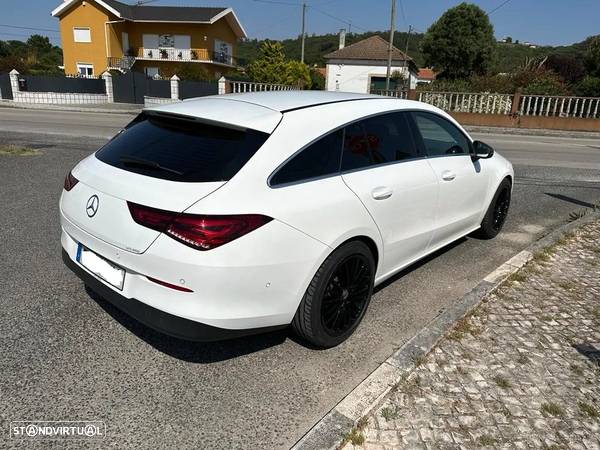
147 164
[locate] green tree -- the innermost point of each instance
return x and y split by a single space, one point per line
588 87
269 67
296 73
592 57
460 43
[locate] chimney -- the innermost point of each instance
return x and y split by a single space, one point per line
342 38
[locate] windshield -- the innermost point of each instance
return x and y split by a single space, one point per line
179 149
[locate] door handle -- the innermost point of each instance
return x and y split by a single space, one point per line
448 175
382 192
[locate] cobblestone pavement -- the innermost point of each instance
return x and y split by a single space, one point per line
522 371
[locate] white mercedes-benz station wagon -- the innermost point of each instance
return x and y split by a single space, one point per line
235 214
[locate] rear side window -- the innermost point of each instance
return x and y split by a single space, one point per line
177 149
319 159
440 137
378 140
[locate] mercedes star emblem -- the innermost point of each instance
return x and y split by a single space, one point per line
92 206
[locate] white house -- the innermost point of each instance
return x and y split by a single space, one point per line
362 66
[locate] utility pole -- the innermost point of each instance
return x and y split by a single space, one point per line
303 28
406 54
391 46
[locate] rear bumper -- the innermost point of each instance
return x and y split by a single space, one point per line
156 319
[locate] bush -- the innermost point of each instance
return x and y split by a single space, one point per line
190 71
588 87
317 80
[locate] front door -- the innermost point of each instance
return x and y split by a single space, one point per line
382 166
462 182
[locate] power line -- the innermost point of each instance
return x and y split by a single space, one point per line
28 28
331 16
498 7
275 2
402 12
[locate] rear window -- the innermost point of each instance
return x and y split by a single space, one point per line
178 149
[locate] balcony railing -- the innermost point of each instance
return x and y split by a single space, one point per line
172 54
177 54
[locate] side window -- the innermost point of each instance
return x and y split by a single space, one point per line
440 137
319 159
378 140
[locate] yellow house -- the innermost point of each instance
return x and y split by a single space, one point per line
99 35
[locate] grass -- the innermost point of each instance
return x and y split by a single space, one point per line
567 285
577 370
502 382
551 409
517 276
486 440
356 436
588 410
419 360
17 150
543 255
596 312
390 413
462 328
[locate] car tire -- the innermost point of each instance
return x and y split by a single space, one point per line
495 216
338 296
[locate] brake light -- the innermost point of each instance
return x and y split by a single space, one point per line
202 232
70 181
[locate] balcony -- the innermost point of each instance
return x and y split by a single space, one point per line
200 55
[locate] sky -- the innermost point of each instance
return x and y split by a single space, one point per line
544 22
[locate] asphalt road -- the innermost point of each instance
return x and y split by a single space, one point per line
68 355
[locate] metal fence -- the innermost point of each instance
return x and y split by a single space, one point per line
158 88
403 94
5 87
192 89
61 84
556 106
236 87
470 102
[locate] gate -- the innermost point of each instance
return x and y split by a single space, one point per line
130 87
190 89
5 87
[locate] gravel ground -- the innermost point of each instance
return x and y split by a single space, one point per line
522 371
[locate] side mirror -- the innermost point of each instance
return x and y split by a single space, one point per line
482 151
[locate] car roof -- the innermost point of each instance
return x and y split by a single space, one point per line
261 111
284 101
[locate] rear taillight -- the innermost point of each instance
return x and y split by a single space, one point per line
201 232
70 181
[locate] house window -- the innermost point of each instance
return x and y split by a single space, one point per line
151 72
223 52
82 35
166 41
85 70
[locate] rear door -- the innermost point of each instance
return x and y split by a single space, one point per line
383 167
462 181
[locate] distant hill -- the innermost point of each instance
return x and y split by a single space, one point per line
509 56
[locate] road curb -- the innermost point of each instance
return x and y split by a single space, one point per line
327 433
69 108
533 132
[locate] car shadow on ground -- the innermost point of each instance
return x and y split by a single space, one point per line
194 352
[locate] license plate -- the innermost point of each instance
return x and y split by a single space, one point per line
100 267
